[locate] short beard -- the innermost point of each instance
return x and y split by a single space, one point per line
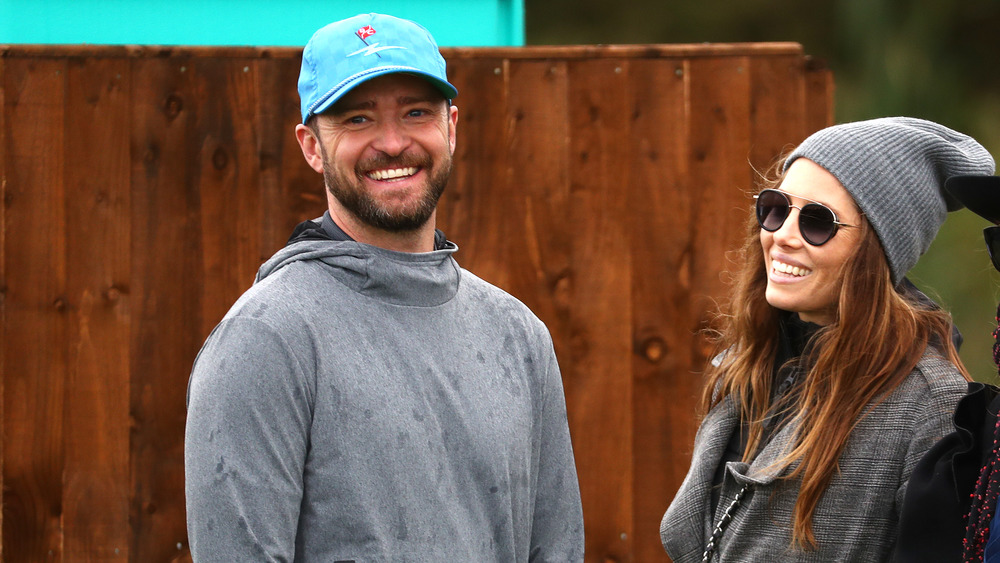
360 203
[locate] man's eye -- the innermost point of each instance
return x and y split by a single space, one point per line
417 113
357 119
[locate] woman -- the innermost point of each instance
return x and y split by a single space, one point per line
834 375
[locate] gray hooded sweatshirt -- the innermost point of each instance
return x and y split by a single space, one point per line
358 404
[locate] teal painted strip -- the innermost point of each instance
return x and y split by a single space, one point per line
248 22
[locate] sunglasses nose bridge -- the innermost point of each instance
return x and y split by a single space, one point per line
791 219
789 231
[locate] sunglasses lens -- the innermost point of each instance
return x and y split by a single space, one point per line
772 209
817 224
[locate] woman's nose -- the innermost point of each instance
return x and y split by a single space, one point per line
788 233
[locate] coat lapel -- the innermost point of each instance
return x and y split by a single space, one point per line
696 521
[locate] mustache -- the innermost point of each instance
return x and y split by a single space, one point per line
400 161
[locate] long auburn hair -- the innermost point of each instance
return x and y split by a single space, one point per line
876 339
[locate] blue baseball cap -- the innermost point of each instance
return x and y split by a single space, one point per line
346 53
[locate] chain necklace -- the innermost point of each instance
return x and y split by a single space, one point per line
720 528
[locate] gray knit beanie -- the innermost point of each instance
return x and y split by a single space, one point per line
895 169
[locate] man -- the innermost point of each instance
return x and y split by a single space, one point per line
367 399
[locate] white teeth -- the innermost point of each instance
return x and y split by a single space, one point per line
392 173
789 269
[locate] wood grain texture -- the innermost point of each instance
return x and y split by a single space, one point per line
475 193
538 165
777 110
598 391
290 191
167 286
227 181
143 186
3 280
35 324
720 132
819 91
96 478
660 235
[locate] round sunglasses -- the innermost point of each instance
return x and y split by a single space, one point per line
817 222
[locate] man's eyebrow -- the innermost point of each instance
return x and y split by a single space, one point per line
409 100
342 107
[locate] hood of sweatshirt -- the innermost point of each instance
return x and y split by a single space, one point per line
424 279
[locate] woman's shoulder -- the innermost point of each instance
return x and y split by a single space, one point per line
934 376
939 371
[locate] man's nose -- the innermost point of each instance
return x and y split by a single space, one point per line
392 138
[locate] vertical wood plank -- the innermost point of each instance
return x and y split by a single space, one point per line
479 190
819 95
36 308
600 393
166 312
777 111
96 490
537 157
227 181
291 191
662 246
4 167
720 146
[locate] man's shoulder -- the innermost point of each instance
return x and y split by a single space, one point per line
283 292
490 293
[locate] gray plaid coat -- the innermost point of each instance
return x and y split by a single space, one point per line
856 519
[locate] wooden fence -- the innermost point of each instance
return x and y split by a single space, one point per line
142 187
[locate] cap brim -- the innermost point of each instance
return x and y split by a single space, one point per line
981 194
446 89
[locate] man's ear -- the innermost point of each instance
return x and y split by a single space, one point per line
453 129
311 147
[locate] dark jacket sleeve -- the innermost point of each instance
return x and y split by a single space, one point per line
939 494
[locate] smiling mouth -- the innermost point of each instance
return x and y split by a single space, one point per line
392 173
783 268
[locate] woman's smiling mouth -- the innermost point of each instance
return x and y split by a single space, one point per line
783 268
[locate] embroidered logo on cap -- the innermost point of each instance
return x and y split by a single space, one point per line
372 49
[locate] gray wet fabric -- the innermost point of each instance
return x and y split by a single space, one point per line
359 404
